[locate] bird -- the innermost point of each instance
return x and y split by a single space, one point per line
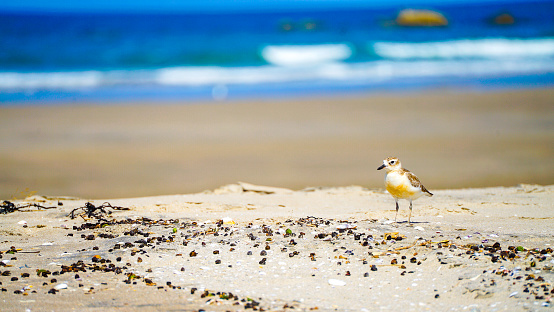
402 184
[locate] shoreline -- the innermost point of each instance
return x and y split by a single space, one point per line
281 92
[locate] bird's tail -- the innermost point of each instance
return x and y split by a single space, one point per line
426 191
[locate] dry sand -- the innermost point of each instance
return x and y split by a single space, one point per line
450 140
244 248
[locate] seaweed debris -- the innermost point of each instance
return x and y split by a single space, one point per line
9 207
97 212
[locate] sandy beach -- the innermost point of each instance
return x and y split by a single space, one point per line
243 247
160 221
449 139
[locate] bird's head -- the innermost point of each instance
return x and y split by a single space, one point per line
390 163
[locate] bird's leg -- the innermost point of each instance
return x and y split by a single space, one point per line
396 212
410 217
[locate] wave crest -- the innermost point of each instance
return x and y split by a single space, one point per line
467 48
306 55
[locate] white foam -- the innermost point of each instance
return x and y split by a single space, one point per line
467 48
219 78
202 76
352 73
306 55
50 80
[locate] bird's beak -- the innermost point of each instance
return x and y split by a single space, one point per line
382 166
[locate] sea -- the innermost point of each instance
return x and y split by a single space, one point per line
115 56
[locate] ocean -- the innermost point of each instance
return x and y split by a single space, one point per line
52 57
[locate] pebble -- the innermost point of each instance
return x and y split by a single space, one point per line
60 286
346 245
336 282
228 221
345 226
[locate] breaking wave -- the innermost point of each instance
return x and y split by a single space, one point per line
317 63
356 73
467 48
306 55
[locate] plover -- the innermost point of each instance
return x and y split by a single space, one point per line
401 183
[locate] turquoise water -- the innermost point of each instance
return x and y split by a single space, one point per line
78 55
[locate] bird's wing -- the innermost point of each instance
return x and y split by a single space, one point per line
413 179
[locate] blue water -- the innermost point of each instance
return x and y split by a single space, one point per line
83 56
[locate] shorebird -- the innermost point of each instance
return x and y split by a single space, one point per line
401 183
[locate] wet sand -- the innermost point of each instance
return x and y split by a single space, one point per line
449 139
250 248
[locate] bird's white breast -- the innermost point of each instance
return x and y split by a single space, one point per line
399 186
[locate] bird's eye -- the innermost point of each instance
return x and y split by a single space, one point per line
393 162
